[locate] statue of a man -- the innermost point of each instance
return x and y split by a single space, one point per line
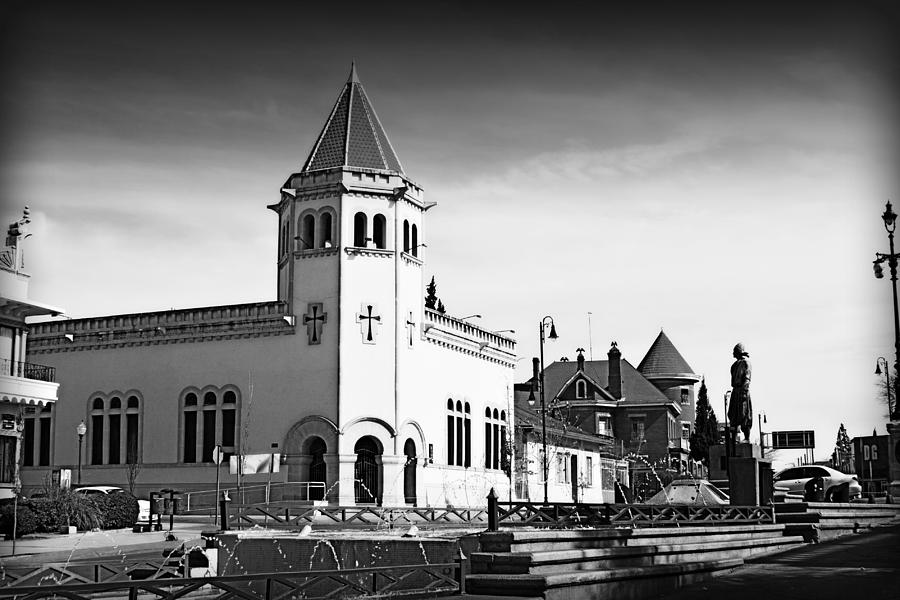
740 411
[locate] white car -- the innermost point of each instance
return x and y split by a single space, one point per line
838 487
143 505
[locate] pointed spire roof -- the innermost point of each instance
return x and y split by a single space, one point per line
664 359
353 135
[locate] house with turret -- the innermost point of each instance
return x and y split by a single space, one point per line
647 411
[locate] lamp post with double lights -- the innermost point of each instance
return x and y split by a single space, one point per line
887 380
548 320
890 224
80 429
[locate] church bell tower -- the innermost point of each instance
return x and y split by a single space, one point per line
350 260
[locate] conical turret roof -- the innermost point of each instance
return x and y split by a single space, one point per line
664 359
353 135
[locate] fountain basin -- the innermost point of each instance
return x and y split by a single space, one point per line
267 551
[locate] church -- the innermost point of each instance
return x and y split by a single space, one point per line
367 395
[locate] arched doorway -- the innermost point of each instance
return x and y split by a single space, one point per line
365 472
409 472
317 469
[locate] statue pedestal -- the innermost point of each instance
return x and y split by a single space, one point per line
894 459
750 478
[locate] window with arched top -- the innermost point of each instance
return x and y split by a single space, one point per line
580 389
210 424
114 430
360 229
326 235
459 434
495 451
307 239
406 246
379 231
415 240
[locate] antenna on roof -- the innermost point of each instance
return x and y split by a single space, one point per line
590 337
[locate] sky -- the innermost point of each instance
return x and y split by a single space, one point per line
715 170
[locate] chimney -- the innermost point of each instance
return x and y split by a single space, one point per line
615 371
536 368
581 359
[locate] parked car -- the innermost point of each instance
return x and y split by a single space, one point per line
143 505
837 486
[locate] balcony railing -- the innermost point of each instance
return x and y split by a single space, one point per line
26 370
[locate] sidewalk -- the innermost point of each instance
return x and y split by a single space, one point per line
866 565
46 548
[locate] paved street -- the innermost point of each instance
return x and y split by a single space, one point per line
858 566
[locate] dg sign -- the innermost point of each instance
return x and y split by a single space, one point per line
792 440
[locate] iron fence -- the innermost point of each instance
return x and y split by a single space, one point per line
27 370
443 578
558 514
293 515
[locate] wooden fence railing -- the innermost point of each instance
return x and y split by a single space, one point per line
441 578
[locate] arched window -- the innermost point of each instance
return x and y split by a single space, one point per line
214 423
98 419
360 230
114 430
308 233
379 231
406 235
495 439
459 434
325 234
415 240
580 389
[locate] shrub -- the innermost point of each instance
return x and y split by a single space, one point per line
117 510
46 514
25 521
76 509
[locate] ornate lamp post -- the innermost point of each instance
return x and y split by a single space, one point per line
887 380
548 320
890 224
80 429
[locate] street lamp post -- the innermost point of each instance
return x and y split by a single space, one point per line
761 417
548 320
887 380
890 224
80 429
727 436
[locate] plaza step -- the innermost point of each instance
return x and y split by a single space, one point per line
614 562
557 539
629 556
819 521
631 582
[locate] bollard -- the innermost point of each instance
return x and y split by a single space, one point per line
493 516
223 510
462 560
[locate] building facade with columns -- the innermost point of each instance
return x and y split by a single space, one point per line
28 391
366 392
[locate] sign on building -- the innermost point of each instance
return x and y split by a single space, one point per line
792 440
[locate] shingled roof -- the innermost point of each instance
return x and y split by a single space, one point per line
663 359
353 135
635 388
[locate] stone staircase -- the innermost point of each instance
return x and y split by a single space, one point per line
820 521
614 563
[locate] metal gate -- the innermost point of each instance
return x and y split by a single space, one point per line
365 475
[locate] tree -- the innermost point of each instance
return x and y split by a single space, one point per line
886 394
431 298
440 306
706 427
843 450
